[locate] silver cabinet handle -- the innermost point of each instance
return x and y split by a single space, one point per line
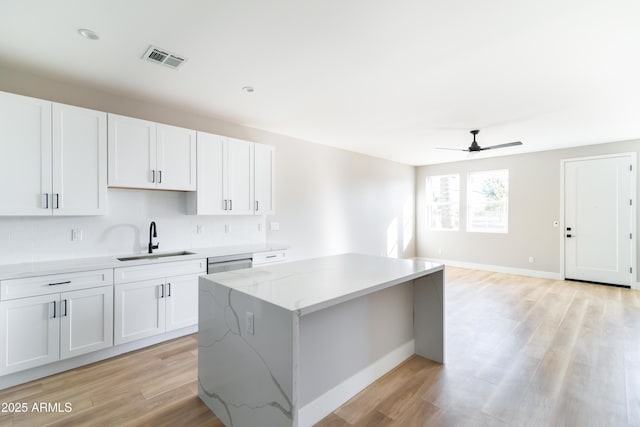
162 291
54 309
225 204
57 201
65 309
46 200
60 283
230 204
168 289
159 177
257 206
153 175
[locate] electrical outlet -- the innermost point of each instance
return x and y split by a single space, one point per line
76 234
275 226
199 229
532 260
227 229
249 323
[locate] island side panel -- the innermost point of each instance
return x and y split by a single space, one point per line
246 379
428 308
346 347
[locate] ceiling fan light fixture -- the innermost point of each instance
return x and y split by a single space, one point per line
475 147
88 34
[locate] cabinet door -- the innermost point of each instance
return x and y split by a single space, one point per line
176 158
212 181
240 177
182 301
132 152
264 158
79 161
25 155
86 321
29 332
139 310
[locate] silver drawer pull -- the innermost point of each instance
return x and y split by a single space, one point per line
271 256
60 283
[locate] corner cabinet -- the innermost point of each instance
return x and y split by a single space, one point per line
48 318
235 177
144 154
157 298
54 157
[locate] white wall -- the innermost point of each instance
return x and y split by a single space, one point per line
327 200
534 203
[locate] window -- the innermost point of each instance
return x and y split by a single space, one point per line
488 201
443 202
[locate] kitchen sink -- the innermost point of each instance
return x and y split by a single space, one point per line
154 256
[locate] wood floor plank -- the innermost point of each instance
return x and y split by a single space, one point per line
520 352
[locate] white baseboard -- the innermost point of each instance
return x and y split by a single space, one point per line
22 377
322 406
498 269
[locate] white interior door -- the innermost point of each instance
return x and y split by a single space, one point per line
599 214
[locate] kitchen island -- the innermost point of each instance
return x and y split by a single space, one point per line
285 345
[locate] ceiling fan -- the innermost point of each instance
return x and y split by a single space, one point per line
475 147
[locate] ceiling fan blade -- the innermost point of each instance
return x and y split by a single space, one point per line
455 149
508 144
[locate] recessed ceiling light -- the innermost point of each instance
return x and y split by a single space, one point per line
88 34
248 89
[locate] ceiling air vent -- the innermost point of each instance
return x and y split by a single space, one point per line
164 57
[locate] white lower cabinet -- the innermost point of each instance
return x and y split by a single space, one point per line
159 303
86 323
37 330
30 334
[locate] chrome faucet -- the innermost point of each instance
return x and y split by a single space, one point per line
152 234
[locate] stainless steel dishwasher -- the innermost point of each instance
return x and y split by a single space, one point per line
229 262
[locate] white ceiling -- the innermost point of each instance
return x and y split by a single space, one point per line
392 79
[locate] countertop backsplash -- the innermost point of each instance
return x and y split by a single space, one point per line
124 230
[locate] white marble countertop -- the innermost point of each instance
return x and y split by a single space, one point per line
16 271
310 285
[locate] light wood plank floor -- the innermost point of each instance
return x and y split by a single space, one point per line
520 351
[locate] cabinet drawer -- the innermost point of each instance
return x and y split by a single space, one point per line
54 283
158 271
269 257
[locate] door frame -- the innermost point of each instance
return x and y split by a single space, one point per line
634 259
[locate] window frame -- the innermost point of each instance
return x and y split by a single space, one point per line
430 203
470 204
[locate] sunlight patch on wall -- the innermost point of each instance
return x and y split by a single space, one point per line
392 239
407 226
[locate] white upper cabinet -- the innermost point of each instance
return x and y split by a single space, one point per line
25 155
79 161
144 154
176 158
52 157
132 152
211 195
264 160
225 177
240 177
